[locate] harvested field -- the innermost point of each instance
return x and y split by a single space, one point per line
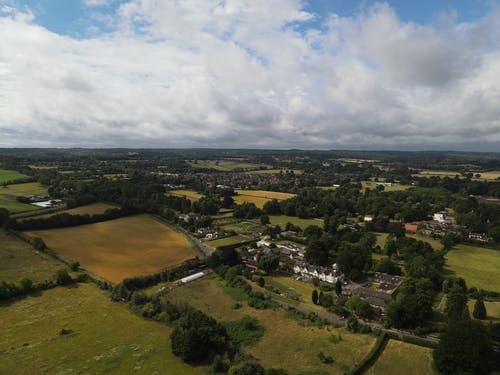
226 164
189 194
373 185
259 197
18 259
121 248
402 358
105 337
285 343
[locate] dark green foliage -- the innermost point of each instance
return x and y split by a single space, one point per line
38 243
413 305
325 359
352 324
456 304
276 371
386 265
261 282
246 211
325 300
62 277
479 309
198 337
338 287
4 217
268 262
246 368
74 266
313 232
314 296
360 307
264 220
465 348
245 331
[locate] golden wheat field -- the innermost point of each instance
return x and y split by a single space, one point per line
121 248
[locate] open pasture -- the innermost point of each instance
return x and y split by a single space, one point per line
226 241
225 165
477 265
259 197
27 189
282 220
9 175
121 248
276 171
89 209
18 259
285 343
394 187
189 194
492 309
13 206
400 357
105 337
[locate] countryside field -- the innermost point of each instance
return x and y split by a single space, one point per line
227 241
121 248
285 343
13 206
225 165
106 337
89 209
189 194
18 259
373 185
282 220
478 266
275 171
398 355
25 190
492 309
259 197
9 175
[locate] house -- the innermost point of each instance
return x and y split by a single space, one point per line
263 243
411 228
328 275
368 218
442 217
481 237
373 297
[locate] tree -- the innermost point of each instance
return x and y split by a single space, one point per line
261 282
338 287
74 266
314 296
479 309
264 220
4 216
26 285
246 368
386 265
361 307
456 304
268 262
63 278
465 348
38 243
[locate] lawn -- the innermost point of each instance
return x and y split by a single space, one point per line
18 259
381 239
89 209
492 309
121 248
227 241
285 343
400 357
189 194
478 266
436 244
13 206
106 337
9 175
27 189
282 220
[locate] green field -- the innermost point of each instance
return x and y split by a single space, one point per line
225 165
373 185
402 358
478 266
24 190
285 343
106 337
227 241
189 194
436 244
18 259
13 206
282 220
9 175
492 309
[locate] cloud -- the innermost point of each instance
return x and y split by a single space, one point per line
96 3
250 74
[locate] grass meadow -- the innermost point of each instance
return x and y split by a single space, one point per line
189 194
477 265
121 248
105 336
282 220
285 343
18 259
492 309
9 175
400 357
225 165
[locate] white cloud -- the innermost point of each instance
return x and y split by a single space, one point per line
238 73
96 3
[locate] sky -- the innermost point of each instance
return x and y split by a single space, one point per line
318 74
